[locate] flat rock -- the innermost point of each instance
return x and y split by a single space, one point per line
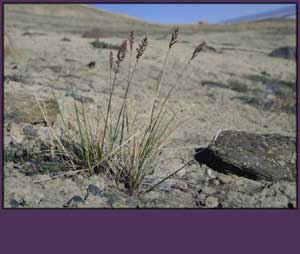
269 157
21 106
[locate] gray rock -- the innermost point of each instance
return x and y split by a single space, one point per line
284 52
14 203
268 157
74 202
29 131
225 179
95 190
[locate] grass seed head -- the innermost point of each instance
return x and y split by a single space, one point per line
121 53
199 48
131 40
174 37
142 47
111 59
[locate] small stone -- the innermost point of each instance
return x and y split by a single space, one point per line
14 203
19 153
113 199
208 190
16 133
44 135
29 130
74 202
284 52
29 168
291 205
201 198
79 179
95 190
224 178
210 174
7 141
211 202
216 182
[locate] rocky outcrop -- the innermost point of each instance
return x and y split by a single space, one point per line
267 157
21 106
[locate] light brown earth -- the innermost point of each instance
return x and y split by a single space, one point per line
207 95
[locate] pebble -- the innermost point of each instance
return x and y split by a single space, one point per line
208 190
29 130
211 202
201 198
14 203
74 201
95 190
216 182
224 178
210 174
16 133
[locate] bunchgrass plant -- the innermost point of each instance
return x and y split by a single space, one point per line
103 45
120 145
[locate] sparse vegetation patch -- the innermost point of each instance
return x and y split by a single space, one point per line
120 146
103 45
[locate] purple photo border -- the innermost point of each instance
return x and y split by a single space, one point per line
153 230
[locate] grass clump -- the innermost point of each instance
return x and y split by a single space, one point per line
103 45
121 146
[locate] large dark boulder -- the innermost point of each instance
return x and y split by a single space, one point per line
268 157
284 52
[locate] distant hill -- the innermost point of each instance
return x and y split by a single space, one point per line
82 18
70 18
287 12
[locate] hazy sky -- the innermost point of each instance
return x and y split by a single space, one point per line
189 13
